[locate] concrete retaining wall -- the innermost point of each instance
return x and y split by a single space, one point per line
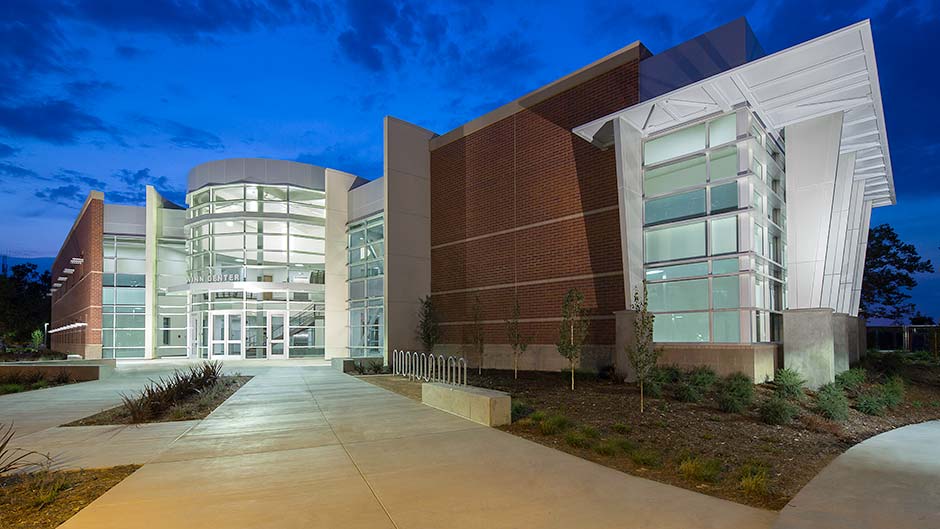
483 406
78 370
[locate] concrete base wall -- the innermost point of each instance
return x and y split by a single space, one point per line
757 361
820 343
348 365
538 357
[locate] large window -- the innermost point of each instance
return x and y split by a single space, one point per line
715 231
274 234
366 288
122 297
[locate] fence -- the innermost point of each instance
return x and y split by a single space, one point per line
429 368
911 338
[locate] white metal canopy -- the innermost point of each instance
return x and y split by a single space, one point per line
832 73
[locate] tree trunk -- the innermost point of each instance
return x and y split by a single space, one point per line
641 396
515 367
572 375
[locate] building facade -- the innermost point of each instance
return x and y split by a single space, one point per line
733 186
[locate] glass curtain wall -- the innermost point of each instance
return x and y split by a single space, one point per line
366 290
171 309
715 231
122 297
265 234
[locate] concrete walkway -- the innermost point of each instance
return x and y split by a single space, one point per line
310 447
891 481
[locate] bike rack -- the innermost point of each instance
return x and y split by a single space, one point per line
425 367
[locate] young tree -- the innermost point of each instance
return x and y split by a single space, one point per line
642 354
518 342
890 265
573 330
476 333
428 330
38 338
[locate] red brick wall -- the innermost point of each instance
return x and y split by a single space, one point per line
79 299
525 169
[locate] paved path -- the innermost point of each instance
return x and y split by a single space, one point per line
310 447
891 481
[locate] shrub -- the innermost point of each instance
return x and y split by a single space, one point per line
621 428
625 445
893 391
162 394
832 403
789 384
735 393
852 380
606 448
700 469
646 457
821 424
703 377
777 411
375 366
520 410
590 432
578 440
871 402
753 478
538 416
688 392
554 424
62 377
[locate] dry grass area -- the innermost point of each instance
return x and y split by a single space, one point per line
696 446
397 384
197 406
44 500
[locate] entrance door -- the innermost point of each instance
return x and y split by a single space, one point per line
225 334
277 331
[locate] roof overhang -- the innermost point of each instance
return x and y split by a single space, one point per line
836 72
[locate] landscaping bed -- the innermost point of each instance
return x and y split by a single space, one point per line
396 384
17 382
46 499
185 395
734 455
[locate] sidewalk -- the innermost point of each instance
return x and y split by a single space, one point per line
310 447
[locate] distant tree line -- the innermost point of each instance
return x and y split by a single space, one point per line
24 305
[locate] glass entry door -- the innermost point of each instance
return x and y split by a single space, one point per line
277 330
225 334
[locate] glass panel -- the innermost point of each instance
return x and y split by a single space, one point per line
723 130
277 327
126 338
724 163
724 235
759 239
726 292
229 193
674 176
218 327
129 296
357 289
727 326
674 144
676 242
684 205
677 271
678 295
376 232
725 266
687 327
357 238
724 197
235 327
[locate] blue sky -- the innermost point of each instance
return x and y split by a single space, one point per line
112 95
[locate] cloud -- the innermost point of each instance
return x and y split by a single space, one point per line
128 52
183 135
6 150
78 177
379 33
87 89
31 43
53 120
15 171
67 195
198 19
